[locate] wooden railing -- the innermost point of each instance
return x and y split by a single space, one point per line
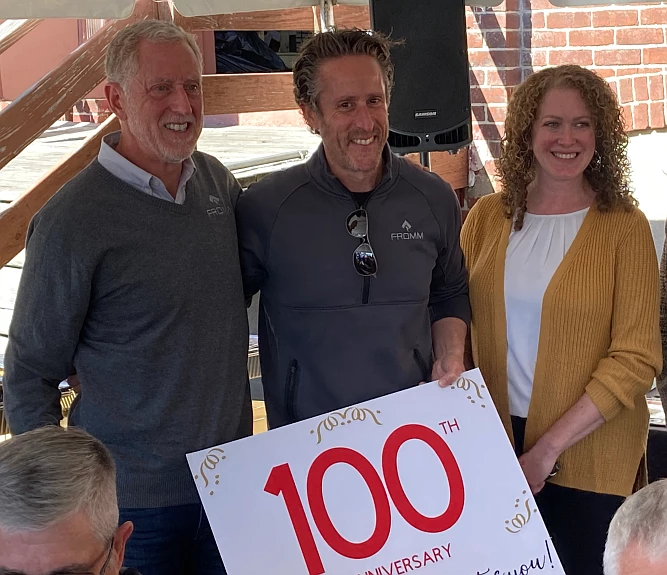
15 219
29 115
49 99
11 31
56 93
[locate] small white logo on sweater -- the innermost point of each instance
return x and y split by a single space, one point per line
407 234
214 199
219 211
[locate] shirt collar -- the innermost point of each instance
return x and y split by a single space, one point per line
130 173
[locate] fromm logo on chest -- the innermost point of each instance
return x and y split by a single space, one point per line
407 234
219 211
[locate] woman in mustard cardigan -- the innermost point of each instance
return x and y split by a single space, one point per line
564 293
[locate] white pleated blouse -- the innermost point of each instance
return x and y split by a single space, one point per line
533 255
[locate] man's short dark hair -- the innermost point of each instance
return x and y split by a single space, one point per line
335 44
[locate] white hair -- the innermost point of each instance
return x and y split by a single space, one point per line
122 56
642 520
49 474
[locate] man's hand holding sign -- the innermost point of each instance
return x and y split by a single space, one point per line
421 480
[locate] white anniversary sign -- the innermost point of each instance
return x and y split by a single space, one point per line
422 480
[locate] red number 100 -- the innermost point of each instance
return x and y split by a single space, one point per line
281 480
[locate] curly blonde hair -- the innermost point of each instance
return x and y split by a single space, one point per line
608 174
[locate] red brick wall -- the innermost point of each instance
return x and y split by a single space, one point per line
627 45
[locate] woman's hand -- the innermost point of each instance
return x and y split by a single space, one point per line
575 424
537 464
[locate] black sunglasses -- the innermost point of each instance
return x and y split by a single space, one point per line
363 257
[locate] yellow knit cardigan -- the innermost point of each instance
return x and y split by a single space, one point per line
599 335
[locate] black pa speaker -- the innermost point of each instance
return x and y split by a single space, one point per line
430 104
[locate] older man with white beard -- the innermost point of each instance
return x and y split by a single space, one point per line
132 280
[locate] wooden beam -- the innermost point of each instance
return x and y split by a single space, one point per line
15 219
352 17
238 93
287 19
57 92
11 31
453 168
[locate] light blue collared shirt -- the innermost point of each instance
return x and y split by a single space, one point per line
140 179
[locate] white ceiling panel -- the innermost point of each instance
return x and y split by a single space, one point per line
207 7
113 9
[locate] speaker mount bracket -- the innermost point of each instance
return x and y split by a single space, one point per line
326 15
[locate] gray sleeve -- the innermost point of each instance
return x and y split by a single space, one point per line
449 281
662 378
51 305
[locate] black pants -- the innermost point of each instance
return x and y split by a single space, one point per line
576 520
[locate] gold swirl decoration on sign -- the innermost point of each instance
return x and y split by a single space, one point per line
211 461
520 520
343 418
468 384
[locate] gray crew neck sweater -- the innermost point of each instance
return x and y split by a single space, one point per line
143 298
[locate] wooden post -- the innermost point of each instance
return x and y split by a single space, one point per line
57 92
15 219
164 10
13 30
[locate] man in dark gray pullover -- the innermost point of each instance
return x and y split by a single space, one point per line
356 253
132 279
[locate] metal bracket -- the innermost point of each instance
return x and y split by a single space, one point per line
326 15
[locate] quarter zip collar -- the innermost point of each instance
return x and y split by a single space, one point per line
318 168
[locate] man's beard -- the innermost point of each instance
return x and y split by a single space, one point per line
152 139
